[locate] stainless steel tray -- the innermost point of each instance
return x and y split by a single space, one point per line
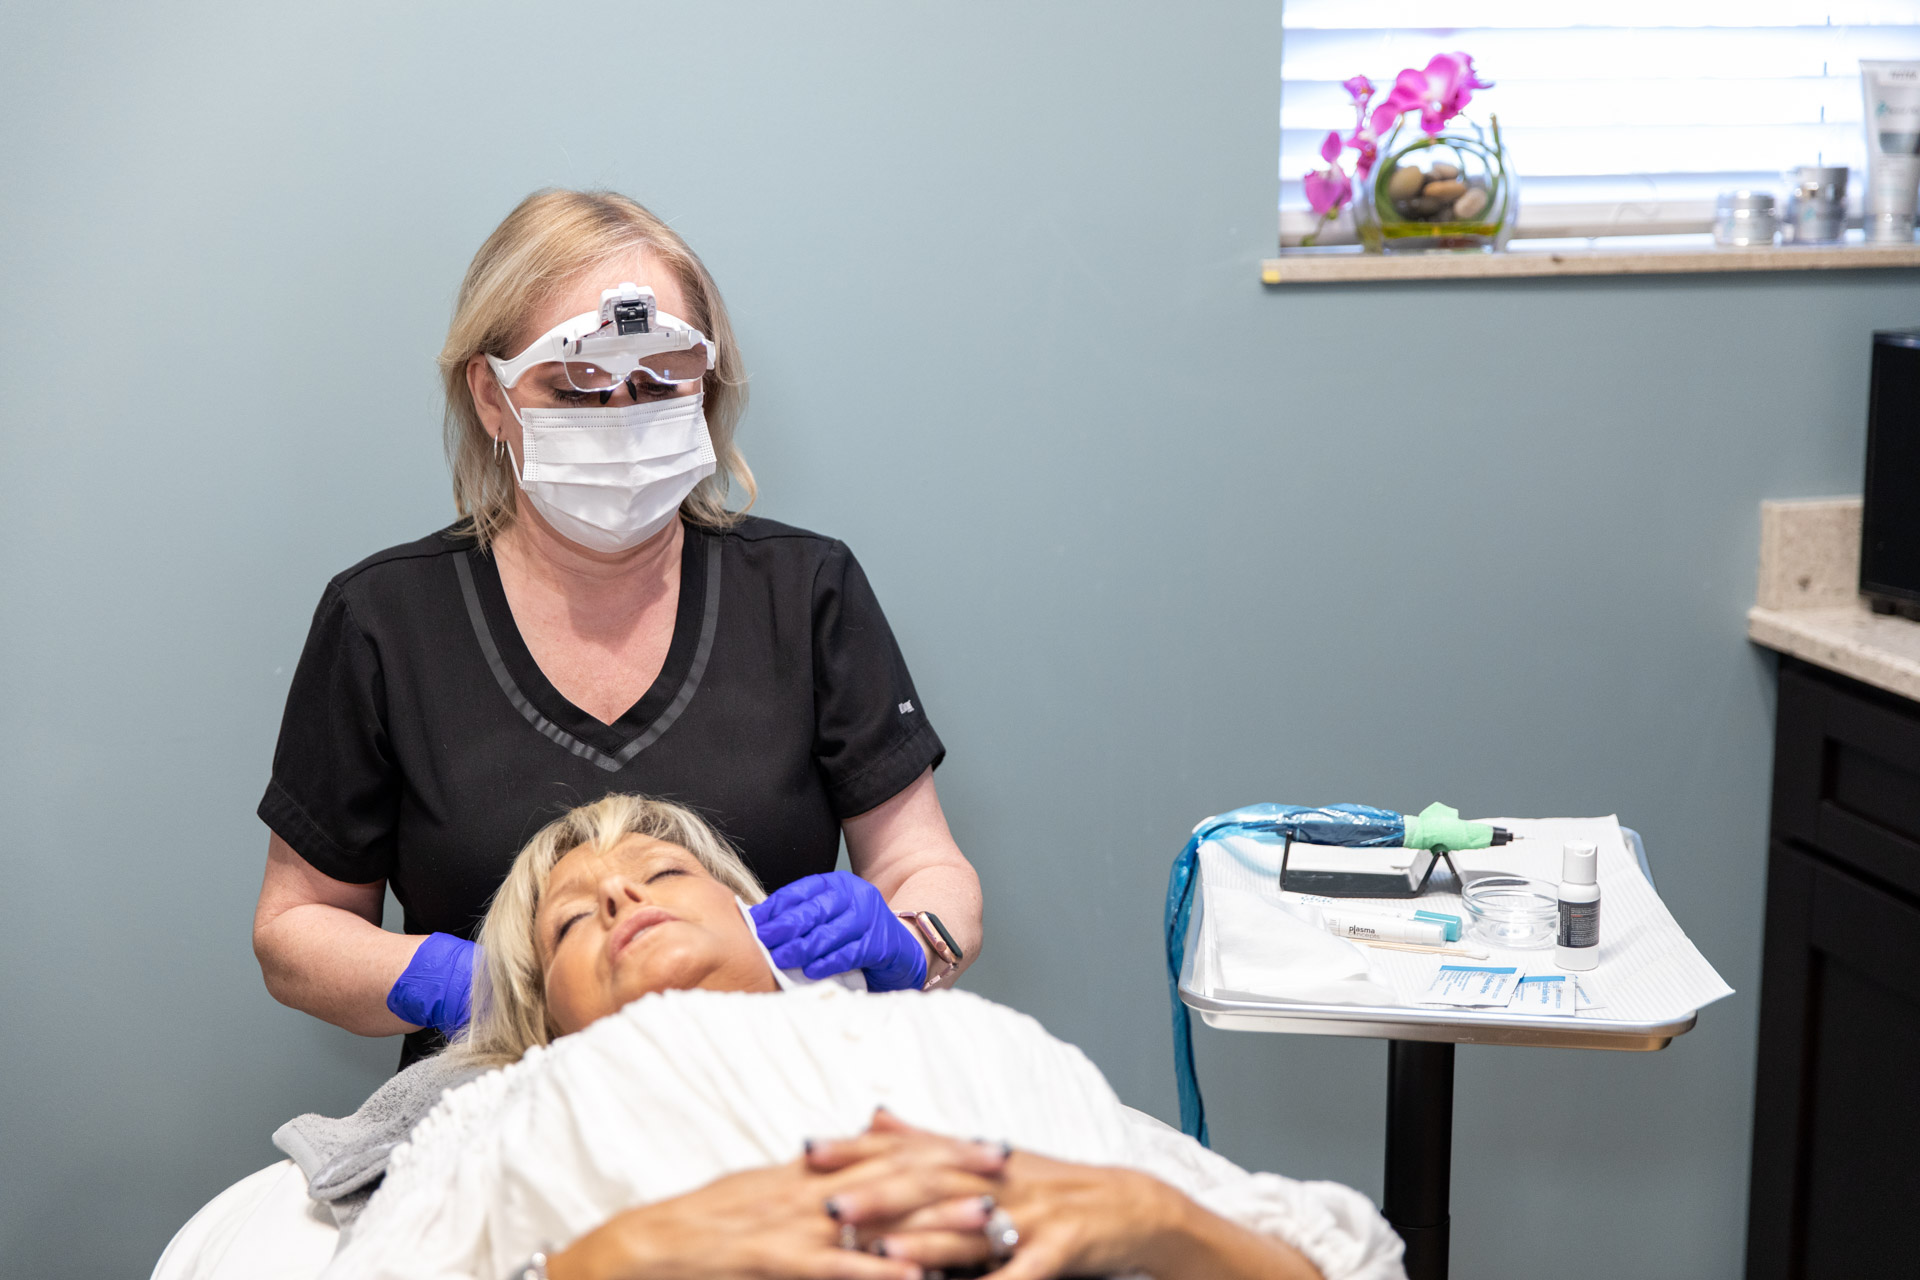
1451 1026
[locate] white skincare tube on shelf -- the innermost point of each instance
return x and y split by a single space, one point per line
1892 104
1362 927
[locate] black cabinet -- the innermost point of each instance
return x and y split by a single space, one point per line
1836 1138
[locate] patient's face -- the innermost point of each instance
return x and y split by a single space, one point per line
642 916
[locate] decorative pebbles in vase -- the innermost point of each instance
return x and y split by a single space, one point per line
1441 190
1449 191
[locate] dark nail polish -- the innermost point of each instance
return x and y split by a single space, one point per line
988 1204
880 1249
1006 1150
833 1208
806 1145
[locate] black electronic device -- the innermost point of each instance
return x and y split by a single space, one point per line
1890 521
633 316
1335 881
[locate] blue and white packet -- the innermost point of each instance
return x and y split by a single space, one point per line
1472 987
1546 993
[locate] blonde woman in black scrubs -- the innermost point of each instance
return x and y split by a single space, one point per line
597 621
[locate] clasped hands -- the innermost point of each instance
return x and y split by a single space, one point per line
893 1203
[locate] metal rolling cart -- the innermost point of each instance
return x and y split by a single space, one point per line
1420 1043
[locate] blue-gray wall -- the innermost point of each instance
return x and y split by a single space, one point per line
1157 541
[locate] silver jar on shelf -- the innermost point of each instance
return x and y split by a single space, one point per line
1817 205
1744 219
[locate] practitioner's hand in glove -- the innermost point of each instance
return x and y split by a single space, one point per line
436 988
828 924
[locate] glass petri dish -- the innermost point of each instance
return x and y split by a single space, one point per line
1512 911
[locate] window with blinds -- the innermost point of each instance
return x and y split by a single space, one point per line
1622 118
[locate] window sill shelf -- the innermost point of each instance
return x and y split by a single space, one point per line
1346 265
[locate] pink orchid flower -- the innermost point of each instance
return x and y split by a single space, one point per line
1368 148
1363 139
1441 92
1328 189
1455 74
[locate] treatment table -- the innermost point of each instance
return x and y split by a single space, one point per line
1420 1045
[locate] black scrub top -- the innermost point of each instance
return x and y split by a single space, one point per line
422 745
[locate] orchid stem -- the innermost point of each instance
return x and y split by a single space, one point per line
1306 241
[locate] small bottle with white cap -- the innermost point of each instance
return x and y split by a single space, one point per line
1578 946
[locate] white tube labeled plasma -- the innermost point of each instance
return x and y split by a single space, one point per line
1362 927
1892 104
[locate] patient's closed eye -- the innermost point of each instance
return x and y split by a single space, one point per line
567 924
666 871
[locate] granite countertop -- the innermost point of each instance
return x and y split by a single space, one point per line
1809 603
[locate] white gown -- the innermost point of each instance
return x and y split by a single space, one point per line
682 1087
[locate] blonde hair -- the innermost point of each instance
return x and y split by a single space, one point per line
548 241
509 990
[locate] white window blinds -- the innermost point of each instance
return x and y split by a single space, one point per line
1621 118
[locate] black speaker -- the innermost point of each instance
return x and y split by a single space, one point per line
1890 525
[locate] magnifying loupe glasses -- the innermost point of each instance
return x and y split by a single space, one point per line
628 342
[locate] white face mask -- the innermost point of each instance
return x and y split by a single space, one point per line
610 478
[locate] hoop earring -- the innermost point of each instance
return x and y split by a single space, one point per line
499 447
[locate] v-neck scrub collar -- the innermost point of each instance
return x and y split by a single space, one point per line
608 747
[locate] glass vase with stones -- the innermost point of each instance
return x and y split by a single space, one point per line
1449 191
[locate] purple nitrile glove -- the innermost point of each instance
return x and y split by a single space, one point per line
437 985
828 924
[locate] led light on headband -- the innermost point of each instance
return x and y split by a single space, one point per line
628 340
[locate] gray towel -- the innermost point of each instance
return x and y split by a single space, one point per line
345 1159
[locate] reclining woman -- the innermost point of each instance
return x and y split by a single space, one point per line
661 1113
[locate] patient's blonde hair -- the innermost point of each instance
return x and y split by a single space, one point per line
509 989
548 241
